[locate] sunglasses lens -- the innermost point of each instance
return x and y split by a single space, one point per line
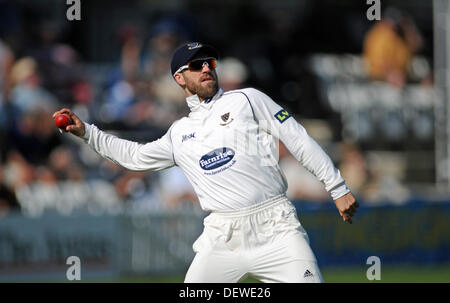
213 63
198 64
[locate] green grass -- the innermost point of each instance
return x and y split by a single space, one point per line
389 274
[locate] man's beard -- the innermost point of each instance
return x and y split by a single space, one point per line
203 90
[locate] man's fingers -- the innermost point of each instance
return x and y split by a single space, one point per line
348 211
72 128
67 112
353 208
351 211
347 219
63 111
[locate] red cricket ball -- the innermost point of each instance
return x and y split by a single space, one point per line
62 121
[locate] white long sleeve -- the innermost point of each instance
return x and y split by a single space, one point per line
134 156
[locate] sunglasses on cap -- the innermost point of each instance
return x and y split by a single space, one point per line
197 64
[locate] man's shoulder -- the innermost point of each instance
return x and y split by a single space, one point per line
253 95
177 124
248 91
177 128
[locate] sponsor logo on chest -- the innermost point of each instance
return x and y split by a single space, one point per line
216 158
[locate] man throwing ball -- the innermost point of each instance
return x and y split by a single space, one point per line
226 146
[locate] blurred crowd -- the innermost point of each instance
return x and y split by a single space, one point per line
42 169
137 98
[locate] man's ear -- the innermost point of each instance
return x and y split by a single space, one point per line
180 79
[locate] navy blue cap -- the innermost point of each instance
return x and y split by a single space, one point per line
187 51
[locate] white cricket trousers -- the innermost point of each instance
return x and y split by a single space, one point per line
265 241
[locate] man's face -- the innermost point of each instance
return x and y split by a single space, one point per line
202 82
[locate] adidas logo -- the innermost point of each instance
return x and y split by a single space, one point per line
307 274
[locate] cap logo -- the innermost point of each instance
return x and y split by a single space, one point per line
193 45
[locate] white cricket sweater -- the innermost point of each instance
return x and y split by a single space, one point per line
227 147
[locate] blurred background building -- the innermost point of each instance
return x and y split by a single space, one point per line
365 90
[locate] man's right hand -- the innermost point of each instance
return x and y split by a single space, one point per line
77 127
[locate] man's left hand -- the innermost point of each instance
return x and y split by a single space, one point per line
347 206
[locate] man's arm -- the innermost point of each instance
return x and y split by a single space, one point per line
155 155
305 149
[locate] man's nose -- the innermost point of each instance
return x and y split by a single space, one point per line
206 67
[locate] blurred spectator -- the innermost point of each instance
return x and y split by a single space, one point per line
131 47
176 190
27 93
122 83
387 171
353 167
33 134
64 165
17 171
390 46
130 184
6 63
58 66
141 91
133 188
8 199
232 73
165 37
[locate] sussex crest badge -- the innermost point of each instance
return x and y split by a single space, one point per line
226 119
